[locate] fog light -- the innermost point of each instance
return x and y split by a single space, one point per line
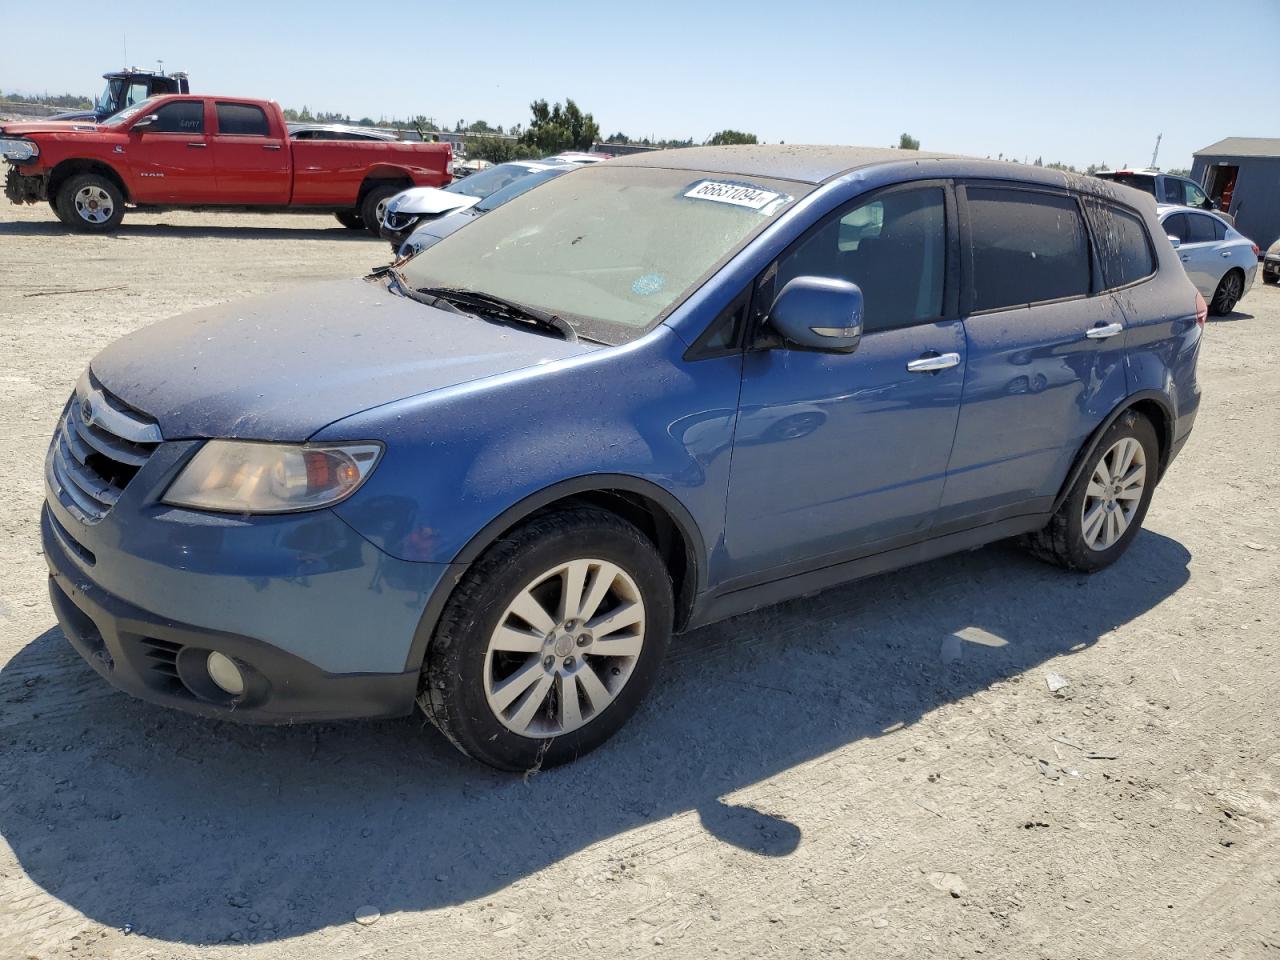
224 672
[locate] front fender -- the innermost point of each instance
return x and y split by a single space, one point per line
459 460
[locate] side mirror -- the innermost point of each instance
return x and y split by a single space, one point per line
1175 241
819 313
146 121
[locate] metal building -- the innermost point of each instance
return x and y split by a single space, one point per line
1243 175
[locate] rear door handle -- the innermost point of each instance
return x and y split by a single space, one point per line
197 146
934 362
1102 333
1225 253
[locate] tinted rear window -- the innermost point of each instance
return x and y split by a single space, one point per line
242 119
1123 247
1201 228
1137 181
1026 247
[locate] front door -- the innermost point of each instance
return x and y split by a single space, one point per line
169 159
252 161
837 455
1199 236
1046 355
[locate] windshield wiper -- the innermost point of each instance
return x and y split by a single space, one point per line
406 289
497 306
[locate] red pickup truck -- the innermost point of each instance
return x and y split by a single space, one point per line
201 152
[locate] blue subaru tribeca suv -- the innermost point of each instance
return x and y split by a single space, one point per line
660 392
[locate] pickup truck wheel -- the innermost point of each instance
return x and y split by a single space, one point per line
350 219
90 203
1106 506
374 205
53 205
550 640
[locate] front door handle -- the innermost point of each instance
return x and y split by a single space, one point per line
271 146
198 146
1103 332
934 362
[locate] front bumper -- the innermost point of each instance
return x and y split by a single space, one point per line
21 186
163 661
1271 266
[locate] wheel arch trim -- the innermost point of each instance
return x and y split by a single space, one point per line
521 510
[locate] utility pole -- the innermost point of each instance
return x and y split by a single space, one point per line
1156 151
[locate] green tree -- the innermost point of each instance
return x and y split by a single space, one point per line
498 149
554 128
908 142
726 137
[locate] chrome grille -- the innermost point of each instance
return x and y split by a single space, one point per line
99 446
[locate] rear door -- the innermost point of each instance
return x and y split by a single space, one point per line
1046 351
251 159
169 159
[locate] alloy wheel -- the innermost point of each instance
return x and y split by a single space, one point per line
1113 494
94 204
564 648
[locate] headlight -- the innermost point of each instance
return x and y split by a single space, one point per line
235 476
18 149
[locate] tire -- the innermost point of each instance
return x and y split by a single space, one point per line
1230 290
350 219
506 708
377 196
90 203
1067 541
53 205
1270 277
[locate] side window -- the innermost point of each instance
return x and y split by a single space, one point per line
1176 226
893 247
184 116
1195 196
1173 191
136 93
1026 247
242 120
1201 228
1123 247
1219 229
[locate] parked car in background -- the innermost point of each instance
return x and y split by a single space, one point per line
1165 187
188 152
411 208
337 131
436 229
1271 264
1220 261
496 481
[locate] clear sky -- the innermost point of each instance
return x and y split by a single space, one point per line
1078 82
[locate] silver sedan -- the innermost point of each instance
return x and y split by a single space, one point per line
1220 261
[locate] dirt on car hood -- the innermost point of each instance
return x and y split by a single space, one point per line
281 366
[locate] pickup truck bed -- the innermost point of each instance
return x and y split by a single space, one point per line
204 152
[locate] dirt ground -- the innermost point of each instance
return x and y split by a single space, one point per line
882 771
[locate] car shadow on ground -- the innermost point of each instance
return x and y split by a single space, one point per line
53 228
201 831
1231 317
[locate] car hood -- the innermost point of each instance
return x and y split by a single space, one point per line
429 201
281 366
48 126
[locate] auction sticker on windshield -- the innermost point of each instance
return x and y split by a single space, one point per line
737 194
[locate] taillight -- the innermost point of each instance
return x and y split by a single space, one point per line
1202 310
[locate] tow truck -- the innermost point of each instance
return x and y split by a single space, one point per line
127 87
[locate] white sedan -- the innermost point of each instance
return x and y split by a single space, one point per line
1220 261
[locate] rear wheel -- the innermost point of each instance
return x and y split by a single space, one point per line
350 219
550 641
91 203
1106 506
374 205
1230 290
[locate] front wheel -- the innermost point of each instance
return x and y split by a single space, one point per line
1106 506
350 219
550 641
1230 290
90 203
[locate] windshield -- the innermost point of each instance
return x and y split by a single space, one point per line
489 181
110 99
523 185
611 249
128 113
